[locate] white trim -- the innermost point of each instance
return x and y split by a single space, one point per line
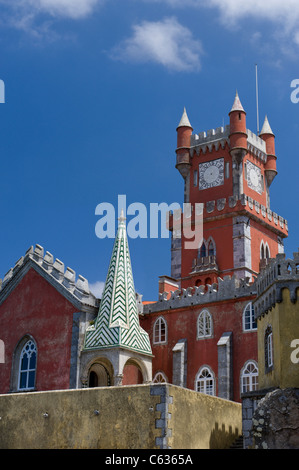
160 319
251 318
250 375
205 314
205 380
27 370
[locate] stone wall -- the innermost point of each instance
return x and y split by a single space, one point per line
152 416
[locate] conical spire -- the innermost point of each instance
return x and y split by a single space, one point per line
117 323
266 129
184 122
237 106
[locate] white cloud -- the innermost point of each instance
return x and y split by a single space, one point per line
283 13
97 288
69 8
58 8
165 42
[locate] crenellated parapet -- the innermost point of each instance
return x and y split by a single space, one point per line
278 274
227 288
206 141
64 279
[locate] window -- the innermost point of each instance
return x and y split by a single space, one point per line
195 178
249 377
204 382
227 170
211 248
268 349
249 322
160 331
27 369
160 378
204 325
203 250
262 255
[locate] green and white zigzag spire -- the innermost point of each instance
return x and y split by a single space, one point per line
117 323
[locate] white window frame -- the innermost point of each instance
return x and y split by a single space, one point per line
205 318
159 377
249 378
205 381
250 315
27 370
157 325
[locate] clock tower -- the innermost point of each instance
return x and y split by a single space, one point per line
229 170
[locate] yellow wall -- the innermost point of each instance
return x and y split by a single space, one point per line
128 419
284 319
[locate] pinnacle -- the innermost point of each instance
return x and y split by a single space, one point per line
184 122
237 106
266 129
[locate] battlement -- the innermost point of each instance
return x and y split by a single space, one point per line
256 145
55 272
279 273
227 288
206 140
217 206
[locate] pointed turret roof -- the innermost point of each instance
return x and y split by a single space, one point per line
184 122
237 106
117 323
266 129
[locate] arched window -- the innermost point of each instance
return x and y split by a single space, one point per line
205 382
267 252
204 325
249 322
262 251
211 247
203 250
268 349
160 331
160 378
27 368
249 377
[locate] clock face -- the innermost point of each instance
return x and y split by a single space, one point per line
254 179
211 174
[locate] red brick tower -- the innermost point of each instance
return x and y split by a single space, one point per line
228 169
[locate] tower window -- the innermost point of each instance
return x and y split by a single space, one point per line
239 116
195 178
203 250
268 349
227 170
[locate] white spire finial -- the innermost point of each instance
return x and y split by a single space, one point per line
266 129
184 122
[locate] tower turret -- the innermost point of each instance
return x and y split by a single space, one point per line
238 144
270 167
184 132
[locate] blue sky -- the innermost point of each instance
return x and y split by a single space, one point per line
94 90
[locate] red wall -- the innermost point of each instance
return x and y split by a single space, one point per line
182 323
35 307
